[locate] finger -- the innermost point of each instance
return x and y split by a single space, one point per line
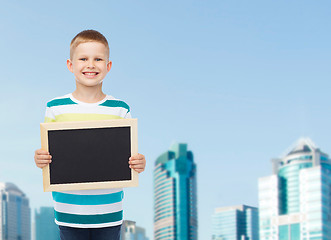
136 162
137 166
40 151
44 157
43 154
43 161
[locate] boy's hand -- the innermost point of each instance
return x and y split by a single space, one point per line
137 162
42 158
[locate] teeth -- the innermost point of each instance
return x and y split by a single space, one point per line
89 73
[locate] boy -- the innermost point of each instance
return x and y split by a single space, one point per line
88 214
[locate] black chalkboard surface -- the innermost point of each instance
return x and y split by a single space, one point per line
89 155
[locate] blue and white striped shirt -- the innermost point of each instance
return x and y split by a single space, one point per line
87 208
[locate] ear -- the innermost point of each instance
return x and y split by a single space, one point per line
109 64
69 65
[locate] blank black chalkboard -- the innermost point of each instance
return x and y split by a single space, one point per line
87 157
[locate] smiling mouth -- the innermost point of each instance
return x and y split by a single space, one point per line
90 73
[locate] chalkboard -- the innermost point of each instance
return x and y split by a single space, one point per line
89 154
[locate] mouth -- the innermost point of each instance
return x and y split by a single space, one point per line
90 73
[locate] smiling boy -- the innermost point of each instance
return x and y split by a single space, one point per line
88 214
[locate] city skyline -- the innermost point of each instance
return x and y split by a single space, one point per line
279 194
239 81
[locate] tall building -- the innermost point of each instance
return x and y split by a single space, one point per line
295 201
175 195
130 231
235 223
15 220
45 226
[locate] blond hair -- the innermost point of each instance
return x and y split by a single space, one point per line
88 36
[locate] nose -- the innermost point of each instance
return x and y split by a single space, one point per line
90 64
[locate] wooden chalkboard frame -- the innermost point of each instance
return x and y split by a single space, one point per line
113 123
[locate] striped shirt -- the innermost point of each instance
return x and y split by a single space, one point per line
87 208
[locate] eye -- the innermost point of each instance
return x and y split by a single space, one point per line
83 59
98 59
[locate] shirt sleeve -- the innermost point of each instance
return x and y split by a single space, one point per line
49 115
128 115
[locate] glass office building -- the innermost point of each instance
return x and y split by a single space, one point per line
15 220
235 223
130 231
175 195
295 202
45 226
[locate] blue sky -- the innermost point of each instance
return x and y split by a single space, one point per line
239 81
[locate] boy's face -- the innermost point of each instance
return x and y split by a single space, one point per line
89 63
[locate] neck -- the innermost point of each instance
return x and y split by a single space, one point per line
89 94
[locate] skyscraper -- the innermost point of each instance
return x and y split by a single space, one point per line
295 202
130 231
45 226
235 223
15 220
175 195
